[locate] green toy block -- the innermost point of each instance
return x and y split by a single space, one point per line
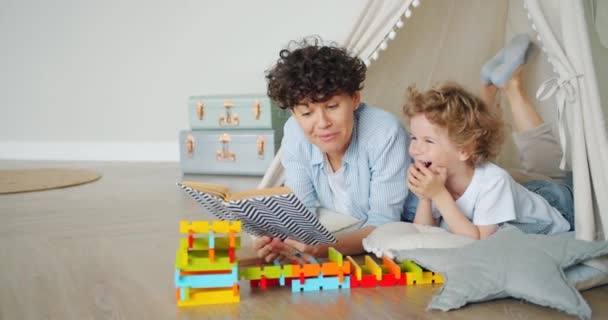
198 260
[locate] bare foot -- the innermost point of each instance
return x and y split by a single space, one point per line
516 83
488 94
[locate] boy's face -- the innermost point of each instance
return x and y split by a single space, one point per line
328 125
431 146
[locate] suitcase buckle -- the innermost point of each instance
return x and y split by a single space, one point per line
224 153
229 119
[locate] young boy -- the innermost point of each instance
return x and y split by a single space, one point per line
454 136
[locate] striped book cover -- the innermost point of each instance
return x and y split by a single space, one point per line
279 215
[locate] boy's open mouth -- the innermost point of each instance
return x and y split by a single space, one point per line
426 164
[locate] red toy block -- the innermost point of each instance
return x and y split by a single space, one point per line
263 282
190 239
231 254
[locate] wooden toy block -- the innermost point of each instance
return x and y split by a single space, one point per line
198 260
211 255
335 256
282 276
232 241
269 283
211 239
320 283
209 280
429 277
389 266
373 268
195 273
223 227
197 297
389 280
231 256
270 272
307 269
412 270
355 270
263 283
190 240
182 255
221 243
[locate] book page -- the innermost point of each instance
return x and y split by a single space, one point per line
214 204
258 192
210 188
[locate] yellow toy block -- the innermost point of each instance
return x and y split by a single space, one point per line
196 297
412 271
429 277
204 226
355 269
373 268
269 272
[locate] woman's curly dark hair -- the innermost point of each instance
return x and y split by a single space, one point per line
313 71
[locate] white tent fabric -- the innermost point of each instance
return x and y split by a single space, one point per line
450 40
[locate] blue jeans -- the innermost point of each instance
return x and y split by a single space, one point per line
559 195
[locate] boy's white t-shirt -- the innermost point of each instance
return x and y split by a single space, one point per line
493 197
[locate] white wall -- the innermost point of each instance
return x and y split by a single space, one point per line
109 80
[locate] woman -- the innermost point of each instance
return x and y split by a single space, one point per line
338 153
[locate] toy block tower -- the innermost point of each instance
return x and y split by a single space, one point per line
206 268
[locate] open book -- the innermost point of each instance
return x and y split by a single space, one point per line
274 212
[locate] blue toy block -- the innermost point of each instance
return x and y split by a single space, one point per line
214 280
282 277
211 240
320 283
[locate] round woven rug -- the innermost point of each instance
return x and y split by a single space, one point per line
26 180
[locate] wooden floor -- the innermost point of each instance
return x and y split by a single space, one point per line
106 250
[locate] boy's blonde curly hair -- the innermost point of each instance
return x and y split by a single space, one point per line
471 125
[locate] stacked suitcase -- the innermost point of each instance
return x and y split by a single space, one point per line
235 135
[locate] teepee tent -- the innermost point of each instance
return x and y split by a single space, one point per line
424 41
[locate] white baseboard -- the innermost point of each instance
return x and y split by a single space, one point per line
90 151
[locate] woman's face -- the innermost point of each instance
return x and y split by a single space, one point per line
328 125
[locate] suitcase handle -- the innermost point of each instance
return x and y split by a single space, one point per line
257 109
260 144
190 145
200 110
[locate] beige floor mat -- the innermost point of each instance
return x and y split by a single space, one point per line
26 180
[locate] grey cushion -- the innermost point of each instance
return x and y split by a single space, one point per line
509 263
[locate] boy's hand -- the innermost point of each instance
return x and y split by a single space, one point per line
412 182
425 182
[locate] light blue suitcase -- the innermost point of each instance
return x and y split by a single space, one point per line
248 111
233 152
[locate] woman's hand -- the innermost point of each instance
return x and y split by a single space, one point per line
424 182
270 249
263 247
